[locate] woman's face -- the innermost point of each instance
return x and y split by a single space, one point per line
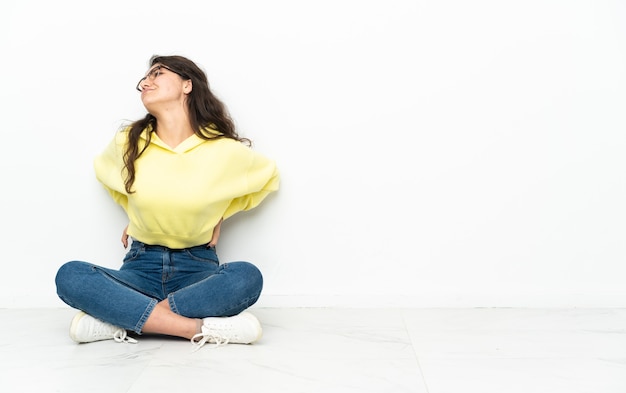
161 86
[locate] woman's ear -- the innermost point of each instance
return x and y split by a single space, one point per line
188 86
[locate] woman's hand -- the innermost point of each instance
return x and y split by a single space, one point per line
125 237
216 233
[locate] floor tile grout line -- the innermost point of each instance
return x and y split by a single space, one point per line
419 365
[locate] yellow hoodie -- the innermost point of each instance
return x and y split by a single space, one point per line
182 193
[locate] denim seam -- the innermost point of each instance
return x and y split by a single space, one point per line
172 302
145 316
244 304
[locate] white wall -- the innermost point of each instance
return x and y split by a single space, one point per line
434 153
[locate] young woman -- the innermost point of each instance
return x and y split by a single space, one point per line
177 173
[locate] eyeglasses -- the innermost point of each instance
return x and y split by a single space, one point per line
154 73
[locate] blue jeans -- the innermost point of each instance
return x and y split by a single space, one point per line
191 279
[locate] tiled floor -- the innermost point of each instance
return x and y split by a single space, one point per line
334 350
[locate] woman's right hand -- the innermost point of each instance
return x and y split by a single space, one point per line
125 237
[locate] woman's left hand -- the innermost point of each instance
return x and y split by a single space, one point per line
216 234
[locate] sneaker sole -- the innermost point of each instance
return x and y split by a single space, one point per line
74 324
255 322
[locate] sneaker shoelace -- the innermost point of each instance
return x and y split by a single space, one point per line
121 336
208 335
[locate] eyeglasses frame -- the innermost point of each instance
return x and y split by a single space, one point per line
153 70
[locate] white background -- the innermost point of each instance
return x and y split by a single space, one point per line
433 153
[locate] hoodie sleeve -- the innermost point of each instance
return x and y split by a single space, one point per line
109 167
262 179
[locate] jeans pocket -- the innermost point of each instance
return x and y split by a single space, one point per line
202 254
132 253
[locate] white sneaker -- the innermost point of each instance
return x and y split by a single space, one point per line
239 329
86 329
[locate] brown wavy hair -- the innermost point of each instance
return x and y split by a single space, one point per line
208 115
